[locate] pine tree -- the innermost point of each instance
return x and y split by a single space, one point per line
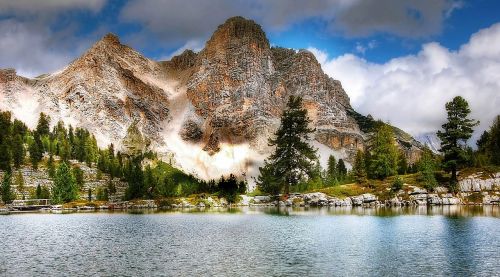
331 171
18 151
65 189
456 131
341 170
293 158
19 183
359 167
51 167
267 181
5 141
402 163
426 167
78 173
43 126
493 144
384 153
36 153
7 194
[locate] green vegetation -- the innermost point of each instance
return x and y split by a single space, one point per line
7 194
456 131
65 189
293 160
383 161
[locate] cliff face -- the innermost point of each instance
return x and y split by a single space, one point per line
210 113
240 86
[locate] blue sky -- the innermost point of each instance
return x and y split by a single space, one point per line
384 51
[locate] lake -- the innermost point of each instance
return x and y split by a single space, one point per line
451 241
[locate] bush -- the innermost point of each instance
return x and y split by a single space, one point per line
397 184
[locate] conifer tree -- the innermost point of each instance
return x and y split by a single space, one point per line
341 170
331 171
456 131
384 153
426 167
493 143
359 167
5 141
19 182
36 153
18 151
293 158
64 189
7 194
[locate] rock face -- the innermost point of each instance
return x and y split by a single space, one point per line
210 112
476 183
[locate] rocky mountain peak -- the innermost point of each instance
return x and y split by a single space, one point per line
238 29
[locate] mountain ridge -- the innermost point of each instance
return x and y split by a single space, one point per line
210 112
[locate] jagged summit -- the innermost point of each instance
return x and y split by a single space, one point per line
210 113
242 30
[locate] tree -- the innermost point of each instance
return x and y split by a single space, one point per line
36 153
43 126
341 170
493 144
426 167
5 141
19 182
51 167
267 181
402 163
384 153
64 189
397 184
359 168
293 158
89 195
78 173
18 151
456 131
7 194
42 192
229 188
331 170
135 179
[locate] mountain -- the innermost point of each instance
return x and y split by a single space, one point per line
431 141
210 113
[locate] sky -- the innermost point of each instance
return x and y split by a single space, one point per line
398 60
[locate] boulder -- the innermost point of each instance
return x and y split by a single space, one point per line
357 200
262 199
368 198
434 199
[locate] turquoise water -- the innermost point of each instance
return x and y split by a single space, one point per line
450 241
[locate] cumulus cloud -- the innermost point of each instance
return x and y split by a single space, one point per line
177 21
411 91
30 45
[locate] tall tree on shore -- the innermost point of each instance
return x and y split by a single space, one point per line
293 158
341 170
7 194
456 131
5 141
65 189
493 144
19 182
331 169
384 153
18 151
36 153
359 167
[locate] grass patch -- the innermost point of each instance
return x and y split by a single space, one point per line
343 191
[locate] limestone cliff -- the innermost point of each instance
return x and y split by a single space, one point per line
210 113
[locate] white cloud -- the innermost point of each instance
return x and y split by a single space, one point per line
28 42
411 91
